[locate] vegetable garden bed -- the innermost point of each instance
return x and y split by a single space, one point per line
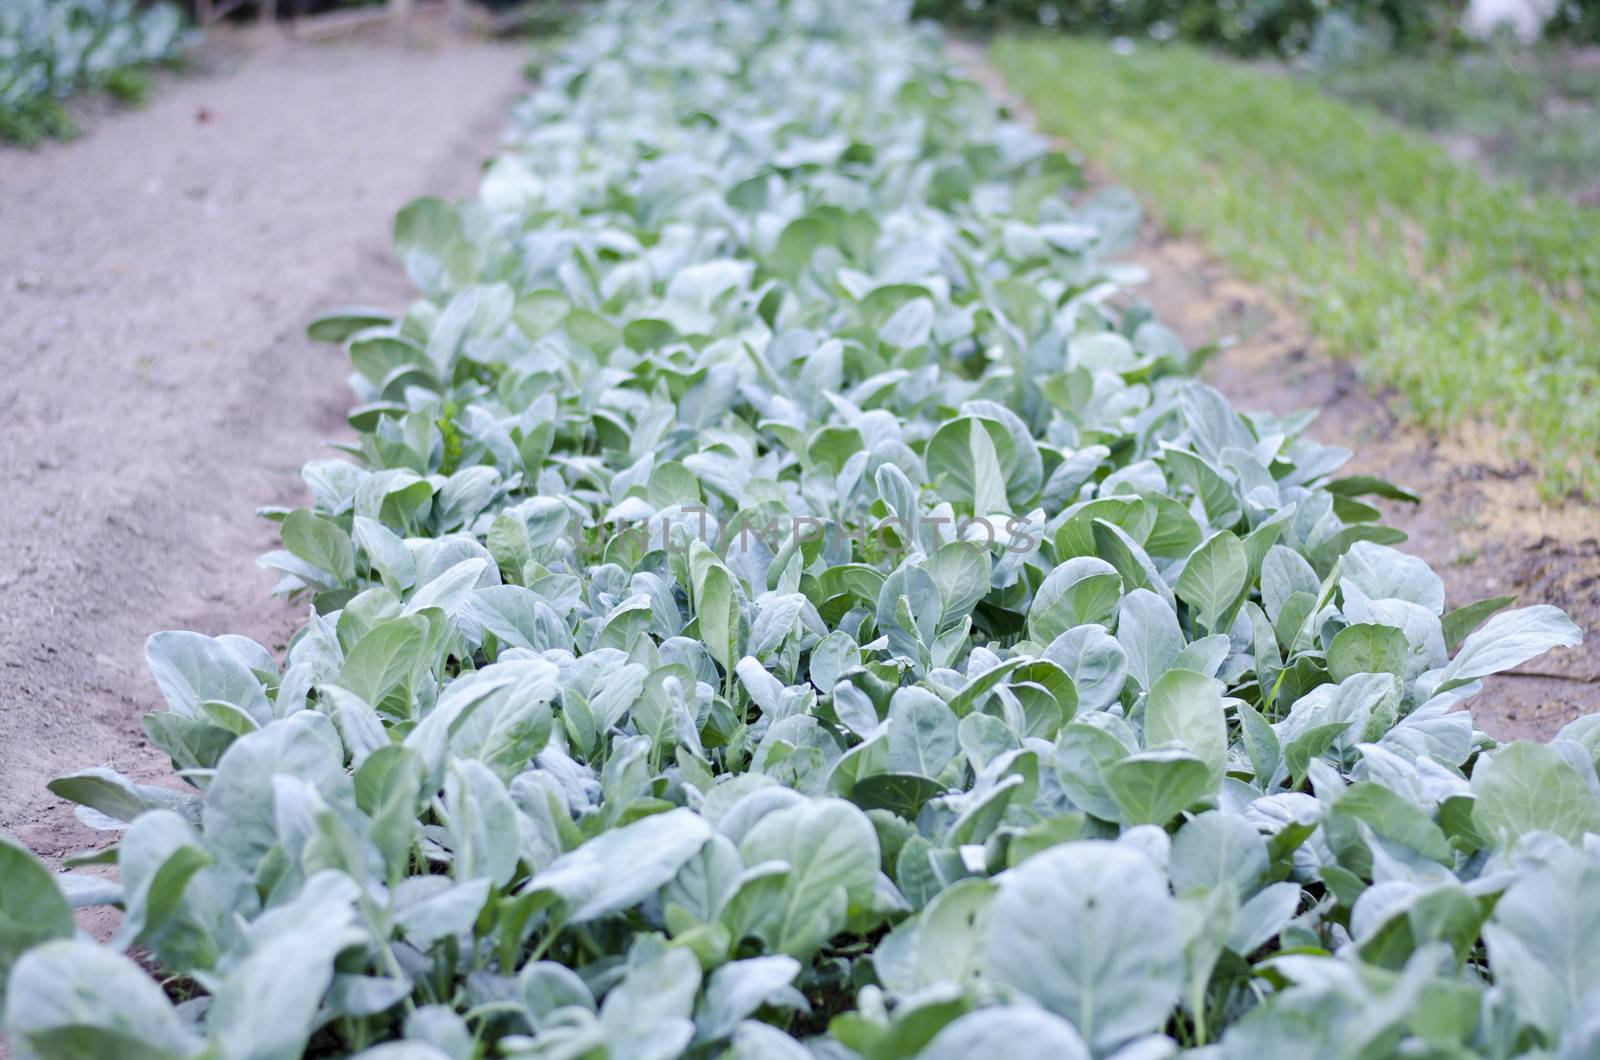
778 606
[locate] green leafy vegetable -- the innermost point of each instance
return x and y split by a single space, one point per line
779 604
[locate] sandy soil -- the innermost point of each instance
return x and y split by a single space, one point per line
1482 524
155 382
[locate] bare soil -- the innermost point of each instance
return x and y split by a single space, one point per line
1482 524
156 385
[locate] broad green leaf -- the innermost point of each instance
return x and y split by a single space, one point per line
192 668
901 793
479 815
761 1041
1390 815
620 868
950 939
384 660
1214 578
1083 590
1152 787
647 1015
952 458
32 909
1527 787
1365 485
1540 940
1148 631
336 325
1366 648
832 853
961 571
1089 931
909 326
1463 620
1084 753
320 542
988 480
430 908
717 612
1388 574
266 1005
118 797
72 997
238 816
922 733
1509 639
1217 848
1016 1031
1184 710
1095 661
739 988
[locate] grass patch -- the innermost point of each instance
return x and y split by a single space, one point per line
130 85
30 120
1473 300
1532 115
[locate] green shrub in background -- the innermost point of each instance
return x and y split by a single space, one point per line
50 49
1286 27
1577 21
1340 30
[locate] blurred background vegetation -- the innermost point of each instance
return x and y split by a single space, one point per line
1257 27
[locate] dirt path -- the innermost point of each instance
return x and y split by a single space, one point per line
1482 524
155 383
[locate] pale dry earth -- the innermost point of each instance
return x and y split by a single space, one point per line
1482 523
156 384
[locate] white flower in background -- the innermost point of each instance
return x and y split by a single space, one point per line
1524 18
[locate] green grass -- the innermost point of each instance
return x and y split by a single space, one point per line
1533 115
1474 301
130 85
28 121
34 119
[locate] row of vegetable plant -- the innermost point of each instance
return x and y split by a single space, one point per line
51 49
786 600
